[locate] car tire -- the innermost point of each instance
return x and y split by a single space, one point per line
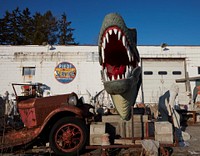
68 136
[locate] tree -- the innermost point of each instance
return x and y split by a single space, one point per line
27 30
45 28
20 28
39 35
50 25
12 28
15 27
65 32
4 31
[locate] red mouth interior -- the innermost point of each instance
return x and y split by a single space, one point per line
116 58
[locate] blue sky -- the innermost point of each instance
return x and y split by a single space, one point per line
175 22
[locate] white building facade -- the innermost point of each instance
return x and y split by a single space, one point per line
66 69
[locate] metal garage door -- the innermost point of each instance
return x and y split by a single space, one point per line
158 76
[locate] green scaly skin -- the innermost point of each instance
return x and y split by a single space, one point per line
119 58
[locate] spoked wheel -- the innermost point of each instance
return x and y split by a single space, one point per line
68 136
164 151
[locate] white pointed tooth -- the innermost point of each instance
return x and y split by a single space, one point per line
112 78
129 55
122 76
126 75
132 58
119 35
124 40
118 78
127 69
107 39
127 72
104 42
103 54
110 31
115 31
105 74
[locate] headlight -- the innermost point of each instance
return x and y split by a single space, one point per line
73 100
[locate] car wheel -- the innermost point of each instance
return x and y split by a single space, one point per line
68 136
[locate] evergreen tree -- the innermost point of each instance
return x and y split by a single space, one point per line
20 28
4 30
15 27
50 25
65 32
38 35
26 27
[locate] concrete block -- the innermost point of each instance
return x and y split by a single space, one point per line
96 139
163 127
164 138
145 129
140 118
139 129
114 125
118 128
111 118
97 128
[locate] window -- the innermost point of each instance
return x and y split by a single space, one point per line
176 72
28 71
148 73
162 73
198 70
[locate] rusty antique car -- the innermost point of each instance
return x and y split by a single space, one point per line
60 120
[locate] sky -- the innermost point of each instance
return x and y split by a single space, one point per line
175 22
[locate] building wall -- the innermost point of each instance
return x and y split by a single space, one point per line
85 60
190 53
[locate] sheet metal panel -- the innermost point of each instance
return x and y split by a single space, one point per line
158 76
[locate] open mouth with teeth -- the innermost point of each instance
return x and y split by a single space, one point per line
119 58
118 61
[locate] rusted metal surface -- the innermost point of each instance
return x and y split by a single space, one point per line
34 111
15 138
35 114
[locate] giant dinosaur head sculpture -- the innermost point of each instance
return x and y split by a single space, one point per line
119 58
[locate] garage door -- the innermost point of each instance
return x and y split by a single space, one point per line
159 75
